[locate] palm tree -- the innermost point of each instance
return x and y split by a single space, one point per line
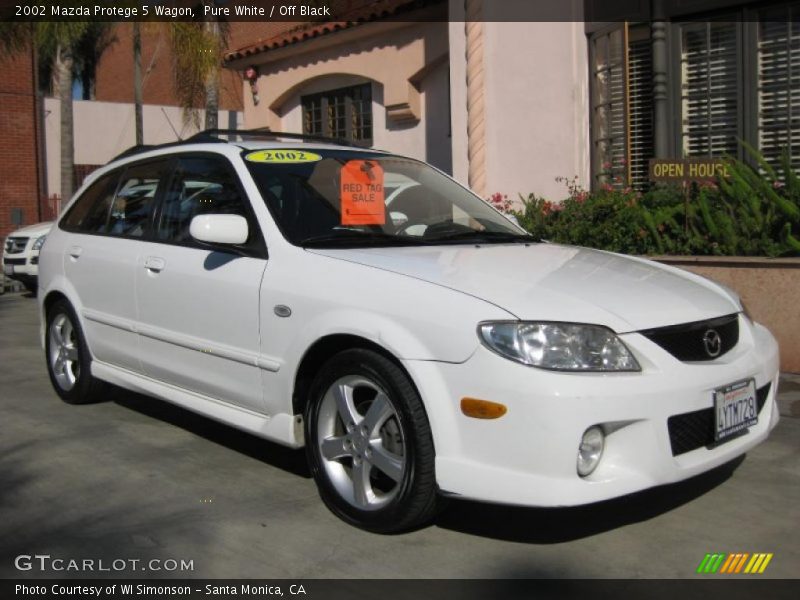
197 48
64 37
98 37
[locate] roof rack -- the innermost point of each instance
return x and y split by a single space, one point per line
215 136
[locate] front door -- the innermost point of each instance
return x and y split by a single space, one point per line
198 307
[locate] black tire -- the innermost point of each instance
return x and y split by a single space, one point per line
406 503
85 389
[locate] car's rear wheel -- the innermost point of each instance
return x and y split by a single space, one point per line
68 358
369 443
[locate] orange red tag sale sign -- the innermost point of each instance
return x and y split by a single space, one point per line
361 193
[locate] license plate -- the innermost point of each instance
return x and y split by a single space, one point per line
735 409
8 269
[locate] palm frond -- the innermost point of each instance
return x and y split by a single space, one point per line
197 48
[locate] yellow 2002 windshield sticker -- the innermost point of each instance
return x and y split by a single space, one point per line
282 156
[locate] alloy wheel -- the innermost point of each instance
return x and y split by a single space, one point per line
64 357
361 442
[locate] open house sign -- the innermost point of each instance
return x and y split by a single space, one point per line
687 170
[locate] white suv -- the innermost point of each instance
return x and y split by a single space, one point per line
21 254
430 350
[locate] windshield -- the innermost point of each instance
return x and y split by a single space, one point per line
331 198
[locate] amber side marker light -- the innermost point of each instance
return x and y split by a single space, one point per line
482 409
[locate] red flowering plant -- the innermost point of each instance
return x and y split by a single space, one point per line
501 202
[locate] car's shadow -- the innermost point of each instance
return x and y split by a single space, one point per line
510 523
287 459
556 525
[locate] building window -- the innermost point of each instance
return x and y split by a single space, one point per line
622 106
710 104
344 113
778 50
734 78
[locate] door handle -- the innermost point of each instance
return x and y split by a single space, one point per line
154 263
75 252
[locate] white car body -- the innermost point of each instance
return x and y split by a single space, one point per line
20 259
215 345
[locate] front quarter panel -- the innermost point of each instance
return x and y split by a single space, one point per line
409 318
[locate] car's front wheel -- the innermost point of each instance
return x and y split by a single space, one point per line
68 358
369 443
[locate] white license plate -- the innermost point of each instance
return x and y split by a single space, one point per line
8 269
735 409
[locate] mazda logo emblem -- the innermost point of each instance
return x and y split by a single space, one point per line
713 343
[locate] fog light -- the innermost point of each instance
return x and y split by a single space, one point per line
590 450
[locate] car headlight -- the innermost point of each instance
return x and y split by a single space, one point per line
559 346
37 245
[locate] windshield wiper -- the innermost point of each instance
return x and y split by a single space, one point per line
484 236
357 237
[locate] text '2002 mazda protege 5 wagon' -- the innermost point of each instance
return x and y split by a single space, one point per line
415 340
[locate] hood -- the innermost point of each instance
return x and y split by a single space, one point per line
36 229
550 282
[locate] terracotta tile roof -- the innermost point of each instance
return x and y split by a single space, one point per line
357 13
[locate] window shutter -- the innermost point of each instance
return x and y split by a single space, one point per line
609 135
710 89
779 83
622 106
640 89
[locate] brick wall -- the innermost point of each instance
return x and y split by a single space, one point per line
18 151
115 70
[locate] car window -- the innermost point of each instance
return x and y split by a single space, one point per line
133 203
339 197
90 212
201 185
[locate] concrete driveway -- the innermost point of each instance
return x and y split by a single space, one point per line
135 478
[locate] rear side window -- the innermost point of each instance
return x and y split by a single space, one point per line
132 208
90 211
201 185
120 203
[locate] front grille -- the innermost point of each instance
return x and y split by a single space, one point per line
15 245
696 341
694 430
13 261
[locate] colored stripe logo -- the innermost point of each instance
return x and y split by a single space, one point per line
735 563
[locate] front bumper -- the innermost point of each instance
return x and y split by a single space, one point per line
528 456
23 267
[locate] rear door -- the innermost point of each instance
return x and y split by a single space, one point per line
109 222
198 306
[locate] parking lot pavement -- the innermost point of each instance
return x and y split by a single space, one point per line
137 478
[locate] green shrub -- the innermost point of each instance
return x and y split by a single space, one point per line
754 212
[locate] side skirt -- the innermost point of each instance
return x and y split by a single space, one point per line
282 428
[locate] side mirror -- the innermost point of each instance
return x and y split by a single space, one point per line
219 229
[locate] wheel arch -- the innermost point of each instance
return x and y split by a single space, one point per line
48 301
51 298
321 351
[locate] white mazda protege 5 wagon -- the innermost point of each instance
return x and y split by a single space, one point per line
413 339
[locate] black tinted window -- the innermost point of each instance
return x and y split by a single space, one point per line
133 203
201 185
342 197
90 211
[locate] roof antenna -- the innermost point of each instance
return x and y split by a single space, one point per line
166 116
